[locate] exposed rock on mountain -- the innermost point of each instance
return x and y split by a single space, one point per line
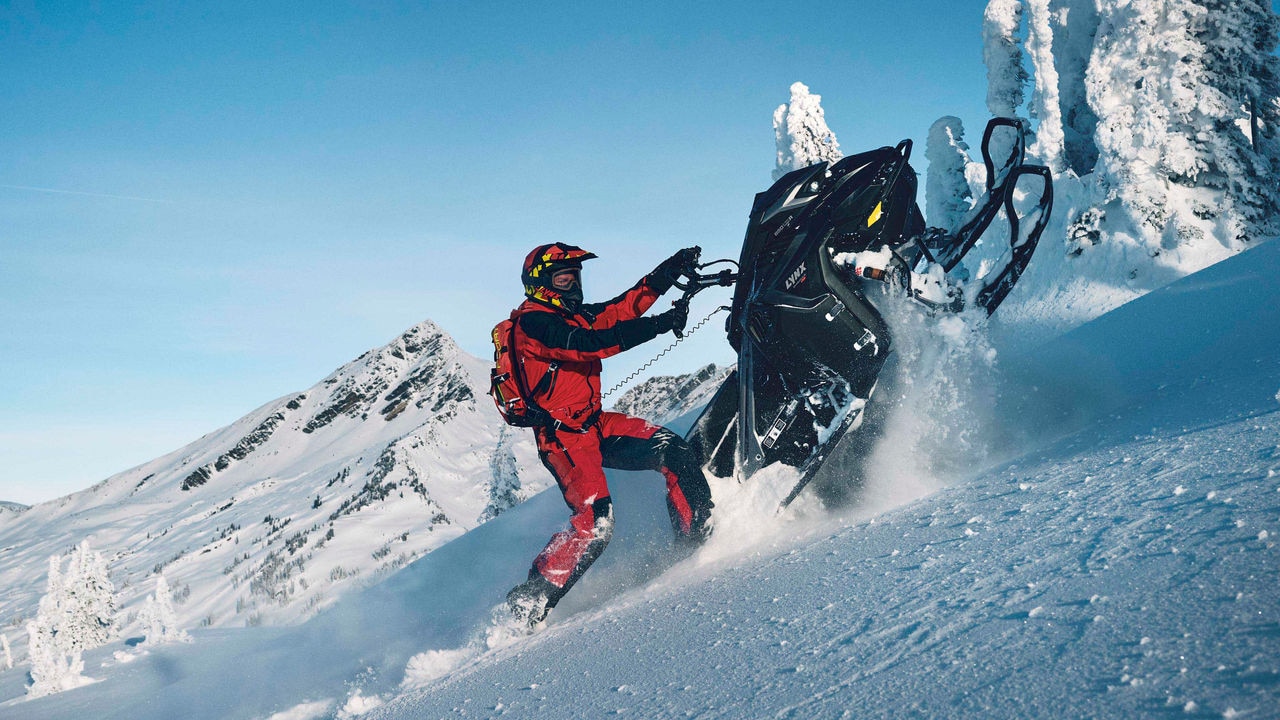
664 398
274 516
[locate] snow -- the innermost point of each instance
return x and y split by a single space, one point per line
1045 104
1002 53
1112 555
296 511
948 197
801 133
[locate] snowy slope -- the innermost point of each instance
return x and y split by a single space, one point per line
272 518
1120 563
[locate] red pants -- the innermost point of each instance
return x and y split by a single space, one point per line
577 460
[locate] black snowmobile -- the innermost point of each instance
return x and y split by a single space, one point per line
821 244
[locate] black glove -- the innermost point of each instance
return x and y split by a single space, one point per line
673 319
670 270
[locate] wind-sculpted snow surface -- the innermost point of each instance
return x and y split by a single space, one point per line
1122 562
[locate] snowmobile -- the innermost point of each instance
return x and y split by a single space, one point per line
822 244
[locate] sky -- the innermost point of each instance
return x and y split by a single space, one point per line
203 209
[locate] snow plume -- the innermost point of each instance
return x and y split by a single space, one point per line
935 430
801 132
946 189
1002 53
77 613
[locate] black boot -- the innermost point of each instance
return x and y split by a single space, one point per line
531 600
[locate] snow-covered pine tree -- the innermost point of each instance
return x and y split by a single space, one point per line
1045 104
8 654
1166 82
1242 75
55 658
159 621
801 132
90 596
1073 24
1002 54
76 613
947 194
1006 75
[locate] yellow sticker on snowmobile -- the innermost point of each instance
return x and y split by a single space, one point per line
875 214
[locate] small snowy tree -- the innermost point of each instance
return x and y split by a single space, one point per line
801 133
947 194
90 596
159 621
55 662
8 654
1002 54
76 614
1006 76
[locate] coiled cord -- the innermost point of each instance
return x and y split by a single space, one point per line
665 350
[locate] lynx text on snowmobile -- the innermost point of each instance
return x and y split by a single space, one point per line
821 245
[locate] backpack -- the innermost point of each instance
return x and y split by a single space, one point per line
507 382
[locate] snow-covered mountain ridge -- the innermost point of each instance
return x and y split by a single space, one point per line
663 398
272 517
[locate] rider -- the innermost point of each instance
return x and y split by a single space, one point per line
559 343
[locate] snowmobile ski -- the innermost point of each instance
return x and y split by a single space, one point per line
822 243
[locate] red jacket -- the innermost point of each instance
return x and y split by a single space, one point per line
576 341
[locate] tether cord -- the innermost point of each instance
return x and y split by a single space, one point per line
665 350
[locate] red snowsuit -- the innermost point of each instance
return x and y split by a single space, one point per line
560 352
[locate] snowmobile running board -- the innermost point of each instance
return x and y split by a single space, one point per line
821 244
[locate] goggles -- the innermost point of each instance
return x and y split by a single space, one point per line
566 279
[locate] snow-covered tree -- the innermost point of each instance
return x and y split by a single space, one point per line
1045 105
1002 54
55 663
1241 75
76 613
8 654
801 133
90 595
947 194
1165 81
1006 76
1073 24
159 621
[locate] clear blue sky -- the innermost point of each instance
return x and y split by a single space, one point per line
204 207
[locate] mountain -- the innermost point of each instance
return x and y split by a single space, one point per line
273 517
1119 561
664 398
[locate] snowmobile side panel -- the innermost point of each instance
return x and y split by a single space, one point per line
713 436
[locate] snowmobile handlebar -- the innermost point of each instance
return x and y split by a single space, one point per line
697 281
692 282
